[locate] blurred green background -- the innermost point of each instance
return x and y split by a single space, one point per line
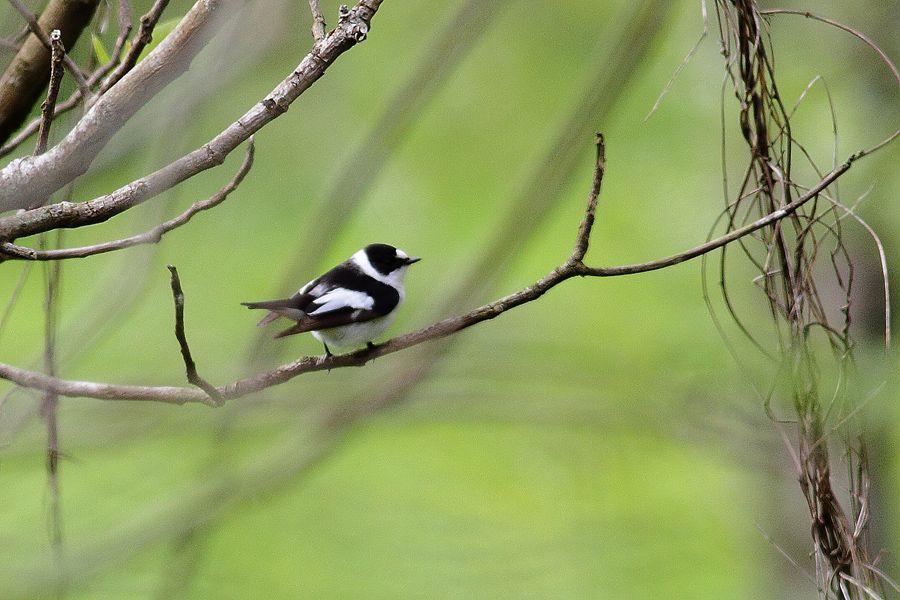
598 443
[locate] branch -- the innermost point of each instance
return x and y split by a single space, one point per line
318 25
38 31
16 179
143 37
27 179
57 53
190 367
124 17
10 251
855 33
572 267
732 236
26 76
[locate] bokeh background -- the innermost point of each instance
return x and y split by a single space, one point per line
598 443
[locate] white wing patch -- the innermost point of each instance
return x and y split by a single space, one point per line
340 298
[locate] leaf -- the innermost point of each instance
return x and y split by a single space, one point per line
99 49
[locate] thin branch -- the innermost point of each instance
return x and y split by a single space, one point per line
24 80
143 37
318 21
12 251
35 27
40 177
75 98
49 403
190 367
587 224
724 240
855 33
22 180
573 267
49 105
684 63
7 44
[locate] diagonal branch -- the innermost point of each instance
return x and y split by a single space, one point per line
19 182
572 267
13 251
26 75
124 17
143 37
27 179
46 40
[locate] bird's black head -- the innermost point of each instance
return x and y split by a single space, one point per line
386 259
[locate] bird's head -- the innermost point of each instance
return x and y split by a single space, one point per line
388 262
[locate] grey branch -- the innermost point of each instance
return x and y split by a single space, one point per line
214 398
35 27
12 251
572 267
48 106
28 179
143 37
19 181
75 98
318 21
25 77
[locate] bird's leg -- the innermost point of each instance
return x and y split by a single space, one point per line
328 353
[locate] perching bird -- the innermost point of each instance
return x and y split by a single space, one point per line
351 304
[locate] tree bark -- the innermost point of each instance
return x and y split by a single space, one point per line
27 75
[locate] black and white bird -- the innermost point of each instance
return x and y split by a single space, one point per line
351 304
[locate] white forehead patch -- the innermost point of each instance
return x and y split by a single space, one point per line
401 254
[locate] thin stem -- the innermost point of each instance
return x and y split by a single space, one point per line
318 21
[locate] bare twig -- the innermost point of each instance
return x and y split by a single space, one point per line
50 401
35 27
573 267
854 32
27 178
684 63
143 37
13 251
75 98
49 105
318 21
25 78
215 399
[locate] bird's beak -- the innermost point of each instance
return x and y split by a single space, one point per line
413 259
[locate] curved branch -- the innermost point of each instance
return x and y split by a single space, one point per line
24 79
26 180
12 251
572 267
143 37
352 29
190 367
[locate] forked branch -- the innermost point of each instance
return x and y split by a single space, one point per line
572 267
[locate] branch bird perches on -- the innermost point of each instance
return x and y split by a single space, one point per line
574 266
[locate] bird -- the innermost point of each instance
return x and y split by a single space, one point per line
349 305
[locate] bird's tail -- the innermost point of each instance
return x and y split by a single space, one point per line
275 308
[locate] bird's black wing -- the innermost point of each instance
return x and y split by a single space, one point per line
342 296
